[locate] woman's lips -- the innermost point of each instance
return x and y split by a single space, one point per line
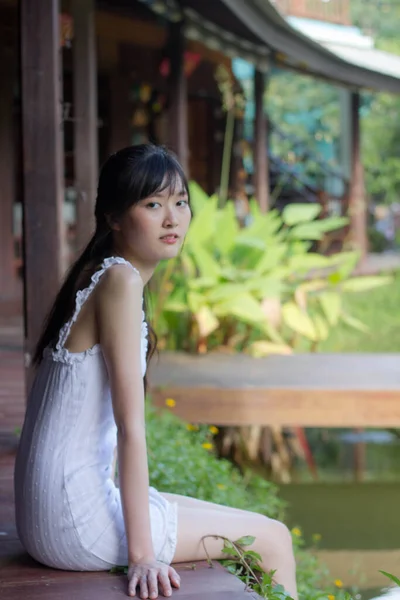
169 239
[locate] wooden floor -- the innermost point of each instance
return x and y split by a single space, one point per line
21 578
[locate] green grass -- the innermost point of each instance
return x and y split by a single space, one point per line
379 309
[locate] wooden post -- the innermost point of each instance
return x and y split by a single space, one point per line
85 117
261 166
41 142
8 282
120 112
178 137
357 196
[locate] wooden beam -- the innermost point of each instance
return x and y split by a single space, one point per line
85 113
178 137
8 279
302 390
282 408
261 172
357 195
42 147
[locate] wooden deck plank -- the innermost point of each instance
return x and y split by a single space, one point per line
358 390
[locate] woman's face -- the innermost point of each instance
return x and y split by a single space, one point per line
155 228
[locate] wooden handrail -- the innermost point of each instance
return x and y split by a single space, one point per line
333 11
304 390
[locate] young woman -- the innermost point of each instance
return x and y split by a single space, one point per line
88 399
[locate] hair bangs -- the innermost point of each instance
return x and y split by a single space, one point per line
161 172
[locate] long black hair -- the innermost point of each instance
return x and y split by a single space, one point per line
128 176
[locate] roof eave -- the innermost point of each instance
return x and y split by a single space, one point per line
299 52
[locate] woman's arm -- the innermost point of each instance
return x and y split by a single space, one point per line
119 318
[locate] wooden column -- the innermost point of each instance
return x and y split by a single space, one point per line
178 138
85 117
357 195
261 163
41 142
8 283
120 112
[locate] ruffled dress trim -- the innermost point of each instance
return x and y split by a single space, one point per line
61 354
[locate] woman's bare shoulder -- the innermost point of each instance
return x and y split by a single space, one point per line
119 284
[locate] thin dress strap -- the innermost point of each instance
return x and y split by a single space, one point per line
83 295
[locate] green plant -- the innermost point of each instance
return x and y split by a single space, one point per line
259 289
392 578
182 460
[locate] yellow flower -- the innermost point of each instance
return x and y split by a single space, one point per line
316 537
207 446
331 597
221 486
214 430
296 531
170 403
338 583
191 427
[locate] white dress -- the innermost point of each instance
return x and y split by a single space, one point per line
68 510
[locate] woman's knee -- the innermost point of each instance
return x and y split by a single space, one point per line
277 539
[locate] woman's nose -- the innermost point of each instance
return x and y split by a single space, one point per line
171 218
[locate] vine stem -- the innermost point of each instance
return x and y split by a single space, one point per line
236 547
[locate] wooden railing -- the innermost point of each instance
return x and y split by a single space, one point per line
333 11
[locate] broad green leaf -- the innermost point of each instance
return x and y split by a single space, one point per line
271 258
246 540
362 284
314 230
301 247
299 321
354 323
242 306
262 348
172 305
321 327
332 223
306 231
307 262
293 214
176 301
346 262
230 273
198 197
393 578
315 285
331 304
205 262
195 301
264 287
201 283
202 227
206 321
227 228
224 291
188 266
251 242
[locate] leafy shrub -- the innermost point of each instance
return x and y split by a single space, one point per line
259 289
182 461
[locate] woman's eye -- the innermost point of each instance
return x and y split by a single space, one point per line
152 204
183 202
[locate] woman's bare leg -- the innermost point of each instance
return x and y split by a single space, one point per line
197 519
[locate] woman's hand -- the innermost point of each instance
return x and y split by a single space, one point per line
150 576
